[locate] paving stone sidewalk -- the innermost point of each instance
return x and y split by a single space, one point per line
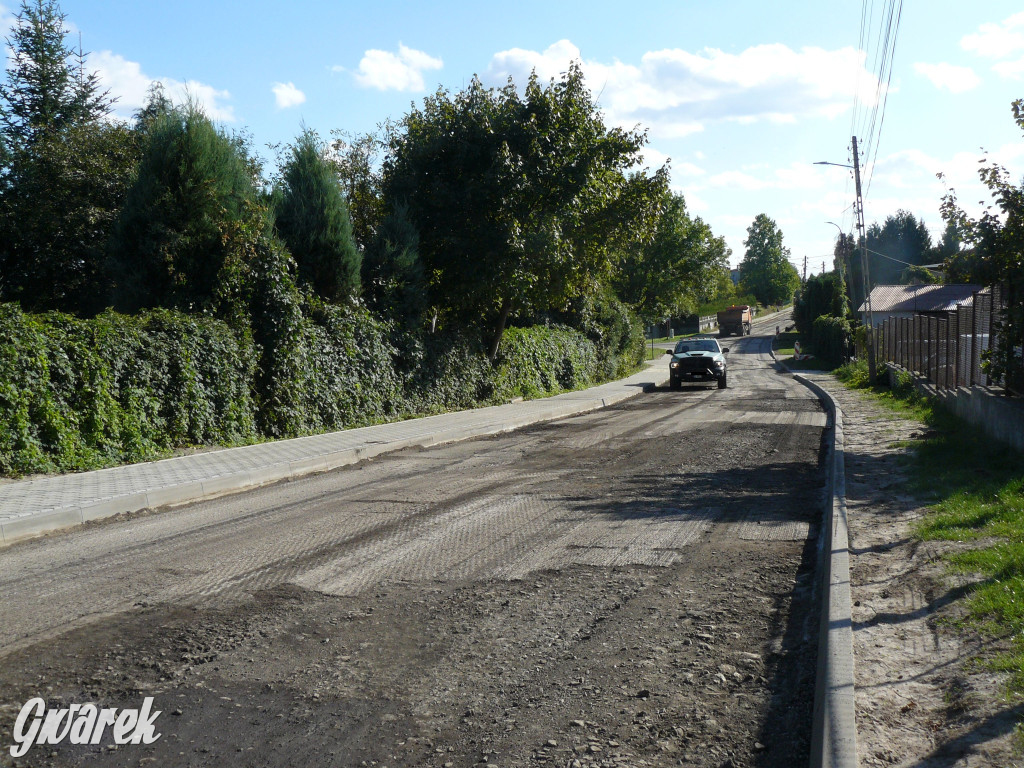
31 507
918 703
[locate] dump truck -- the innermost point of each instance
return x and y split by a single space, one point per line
735 319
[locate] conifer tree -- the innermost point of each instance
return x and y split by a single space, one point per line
313 221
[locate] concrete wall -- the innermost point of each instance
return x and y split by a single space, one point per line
1002 418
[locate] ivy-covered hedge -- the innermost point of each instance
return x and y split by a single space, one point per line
81 394
538 361
76 394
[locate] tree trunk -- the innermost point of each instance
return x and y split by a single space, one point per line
506 310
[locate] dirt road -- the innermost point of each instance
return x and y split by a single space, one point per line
628 587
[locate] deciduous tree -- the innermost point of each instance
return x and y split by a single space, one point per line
677 270
520 202
996 240
765 270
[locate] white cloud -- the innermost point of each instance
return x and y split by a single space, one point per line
1013 70
997 41
954 79
738 180
687 169
694 202
796 176
6 25
129 84
676 92
653 158
388 71
287 95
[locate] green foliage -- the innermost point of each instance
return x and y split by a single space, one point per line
193 180
393 280
355 162
80 394
542 360
47 88
312 219
58 204
520 202
347 373
916 275
830 337
613 327
820 295
64 170
854 374
765 270
679 269
901 238
995 243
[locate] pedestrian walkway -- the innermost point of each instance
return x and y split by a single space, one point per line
32 507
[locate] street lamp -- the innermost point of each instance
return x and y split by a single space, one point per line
863 259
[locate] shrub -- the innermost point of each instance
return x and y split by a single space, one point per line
830 336
82 394
541 360
79 394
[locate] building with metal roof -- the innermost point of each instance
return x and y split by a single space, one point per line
910 300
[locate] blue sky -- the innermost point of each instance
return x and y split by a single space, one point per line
742 95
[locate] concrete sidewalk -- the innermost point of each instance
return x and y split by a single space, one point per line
31 507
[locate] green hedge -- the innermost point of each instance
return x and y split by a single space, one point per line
80 394
830 336
538 361
77 394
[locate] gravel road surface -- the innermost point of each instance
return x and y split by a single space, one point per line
628 587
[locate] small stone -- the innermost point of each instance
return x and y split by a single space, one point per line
550 743
759 747
579 724
643 693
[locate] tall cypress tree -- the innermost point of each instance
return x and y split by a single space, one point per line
313 221
64 169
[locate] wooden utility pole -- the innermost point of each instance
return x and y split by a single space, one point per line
870 318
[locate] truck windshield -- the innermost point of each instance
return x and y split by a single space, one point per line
697 345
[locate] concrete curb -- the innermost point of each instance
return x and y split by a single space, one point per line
834 725
52 516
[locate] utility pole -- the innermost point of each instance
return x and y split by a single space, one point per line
870 325
805 269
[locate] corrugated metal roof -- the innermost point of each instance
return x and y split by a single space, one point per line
919 298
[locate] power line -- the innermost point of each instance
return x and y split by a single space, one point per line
885 102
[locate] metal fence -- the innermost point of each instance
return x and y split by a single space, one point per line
945 347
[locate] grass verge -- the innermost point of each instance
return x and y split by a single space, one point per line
784 345
976 489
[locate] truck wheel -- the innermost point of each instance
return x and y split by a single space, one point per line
721 382
675 383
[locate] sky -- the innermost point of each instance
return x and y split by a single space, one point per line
741 97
